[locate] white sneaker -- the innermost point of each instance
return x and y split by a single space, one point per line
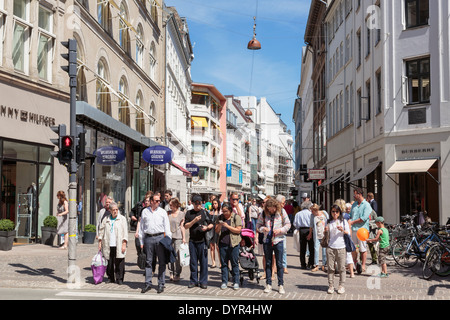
268 288
330 290
341 290
281 290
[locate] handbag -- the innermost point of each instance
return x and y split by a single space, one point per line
141 260
349 245
98 267
296 240
326 238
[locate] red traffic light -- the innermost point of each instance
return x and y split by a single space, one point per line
67 142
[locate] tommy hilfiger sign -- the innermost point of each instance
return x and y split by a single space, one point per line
26 116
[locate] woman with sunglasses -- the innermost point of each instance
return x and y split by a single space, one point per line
337 226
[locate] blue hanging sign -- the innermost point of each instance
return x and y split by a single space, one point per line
110 155
157 155
229 170
192 168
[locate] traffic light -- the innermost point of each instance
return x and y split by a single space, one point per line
67 150
71 57
80 152
60 130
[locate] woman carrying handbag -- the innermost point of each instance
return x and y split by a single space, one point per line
337 226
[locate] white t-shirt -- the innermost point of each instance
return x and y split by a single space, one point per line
336 236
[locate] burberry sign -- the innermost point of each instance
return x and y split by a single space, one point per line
26 116
418 151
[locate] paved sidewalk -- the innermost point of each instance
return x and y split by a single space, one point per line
41 266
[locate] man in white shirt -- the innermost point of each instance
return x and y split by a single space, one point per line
302 222
154 225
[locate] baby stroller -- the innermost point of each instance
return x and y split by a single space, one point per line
247 258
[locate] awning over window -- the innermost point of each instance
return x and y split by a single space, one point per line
199 122
185 172
332 180
365 171
411 166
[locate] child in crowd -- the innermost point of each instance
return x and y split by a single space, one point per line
383 237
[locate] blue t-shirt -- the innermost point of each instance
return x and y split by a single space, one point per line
360 211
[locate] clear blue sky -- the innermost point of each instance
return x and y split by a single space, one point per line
220 30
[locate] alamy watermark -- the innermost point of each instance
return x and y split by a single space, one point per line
374 17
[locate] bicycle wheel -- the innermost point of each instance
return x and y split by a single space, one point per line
443 264
403 256
432 260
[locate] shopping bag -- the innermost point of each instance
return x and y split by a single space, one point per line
98 267
184 255
296 239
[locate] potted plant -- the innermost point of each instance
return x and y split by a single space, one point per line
89 233
7 234
49 230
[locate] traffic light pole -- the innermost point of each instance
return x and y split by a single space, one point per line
72 166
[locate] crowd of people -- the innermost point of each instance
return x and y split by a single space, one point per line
213 228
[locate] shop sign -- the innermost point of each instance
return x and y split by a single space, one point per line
110 156
417 151
192 168
157 155
26 116
316 174
229 170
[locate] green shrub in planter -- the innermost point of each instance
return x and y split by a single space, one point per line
89 233
6 225
90 228
7 234
50 222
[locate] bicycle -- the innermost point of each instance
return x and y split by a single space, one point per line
437 260
406 252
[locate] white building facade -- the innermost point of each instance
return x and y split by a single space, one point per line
387 104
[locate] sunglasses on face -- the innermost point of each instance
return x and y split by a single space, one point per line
334 211
157 200
235 199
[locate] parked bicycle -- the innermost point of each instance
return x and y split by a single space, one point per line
407 251
437 259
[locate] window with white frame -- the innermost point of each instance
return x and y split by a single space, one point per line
124 109
140 120
45 45
139 46
103 15
418 80
152 70
103 94
124 33
21 35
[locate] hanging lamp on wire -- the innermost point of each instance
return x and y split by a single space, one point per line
254 44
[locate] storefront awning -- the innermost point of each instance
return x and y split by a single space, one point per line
185 172
408 166
199 122
365 171
331 180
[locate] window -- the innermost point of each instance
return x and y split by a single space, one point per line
139 46
124 110
419 86
369 44
2 28
45 46
21 35
140 120
359 102
152 120
124 33
152 70
103 14
368 101
378 78
417 13
358 40
103 99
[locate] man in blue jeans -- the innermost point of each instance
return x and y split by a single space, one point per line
198 222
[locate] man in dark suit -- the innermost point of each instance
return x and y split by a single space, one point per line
372 201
